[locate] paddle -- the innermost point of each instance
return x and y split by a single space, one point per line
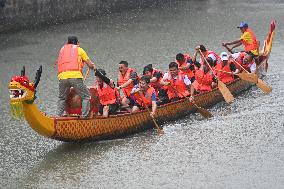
87 74
222 87
228 49
205 113
260 84
250 77
160 131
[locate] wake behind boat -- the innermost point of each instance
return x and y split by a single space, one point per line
23 94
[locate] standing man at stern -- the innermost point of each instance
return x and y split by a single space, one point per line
247 39
70 62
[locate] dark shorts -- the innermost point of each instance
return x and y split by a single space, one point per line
112 109
162 97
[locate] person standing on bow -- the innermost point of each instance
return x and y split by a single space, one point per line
144 95
177 82
70 62
109 97
247 39
127 78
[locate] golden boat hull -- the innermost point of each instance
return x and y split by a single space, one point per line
99 128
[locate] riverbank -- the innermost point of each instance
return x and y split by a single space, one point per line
31 14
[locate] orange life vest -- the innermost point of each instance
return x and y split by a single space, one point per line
188 72
107 95
123 79
203 82
178 85
68 59
208 52
156 85
224 77
146 98
250 46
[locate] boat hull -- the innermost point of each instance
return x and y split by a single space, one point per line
99 128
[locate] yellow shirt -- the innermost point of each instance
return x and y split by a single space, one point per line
82 56
246 36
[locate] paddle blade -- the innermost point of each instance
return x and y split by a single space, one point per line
225 92
250 77
205 113
159 129
263 86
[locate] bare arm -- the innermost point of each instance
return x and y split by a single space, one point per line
153 79
194 56
163 82
90 64
191 98
184 67
154 108
233 42
191 90
236 45
126 83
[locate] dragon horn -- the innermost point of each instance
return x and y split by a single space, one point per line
23 71
37 77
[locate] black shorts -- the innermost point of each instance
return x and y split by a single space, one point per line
112 109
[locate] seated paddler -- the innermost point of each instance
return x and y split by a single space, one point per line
108 95
243 60
156 76
177 82
203 79
127 78
185 64
144 96
226 70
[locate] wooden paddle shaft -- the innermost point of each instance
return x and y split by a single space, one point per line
205 113
226 72
207 63
87 73
155 123
240 66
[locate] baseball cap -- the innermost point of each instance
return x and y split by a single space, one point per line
224 56
242 25
212 56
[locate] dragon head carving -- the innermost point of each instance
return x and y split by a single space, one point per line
21 89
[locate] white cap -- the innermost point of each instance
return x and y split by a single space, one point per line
224 56
212 56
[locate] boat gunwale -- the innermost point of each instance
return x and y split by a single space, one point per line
144 110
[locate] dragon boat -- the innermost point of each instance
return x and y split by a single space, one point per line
74 129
